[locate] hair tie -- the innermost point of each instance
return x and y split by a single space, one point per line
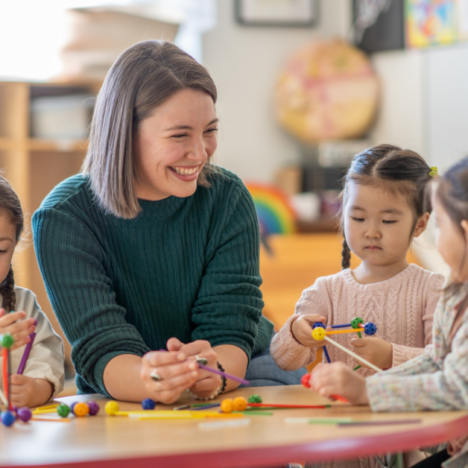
434 172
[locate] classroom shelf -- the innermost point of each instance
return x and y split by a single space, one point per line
34 167
36 144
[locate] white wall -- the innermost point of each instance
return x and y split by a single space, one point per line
401 116
244 62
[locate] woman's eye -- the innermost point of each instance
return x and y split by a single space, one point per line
3 251
212 130
359 220
179 135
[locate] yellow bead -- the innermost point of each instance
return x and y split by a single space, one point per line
226 406
111 408
318 333
239 404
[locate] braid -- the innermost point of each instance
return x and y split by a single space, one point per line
345 256
7 290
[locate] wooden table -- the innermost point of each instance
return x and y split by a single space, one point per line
115 442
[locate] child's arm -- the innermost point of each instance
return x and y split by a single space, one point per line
43 376
293 346
424 383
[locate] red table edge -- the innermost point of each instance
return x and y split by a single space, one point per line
319 451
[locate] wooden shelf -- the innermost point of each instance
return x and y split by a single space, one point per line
34 166
36 144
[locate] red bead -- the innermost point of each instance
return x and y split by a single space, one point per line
306 380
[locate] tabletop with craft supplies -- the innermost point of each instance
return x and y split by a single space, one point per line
262 426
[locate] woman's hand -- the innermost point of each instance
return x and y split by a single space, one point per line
207 382
301 329
375 350
338 379
175 372
19 328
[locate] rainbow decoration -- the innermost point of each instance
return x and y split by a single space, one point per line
275 214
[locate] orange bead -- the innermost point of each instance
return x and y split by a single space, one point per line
226 406
239 404
81 409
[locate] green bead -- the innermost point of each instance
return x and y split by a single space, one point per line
7 341
63 410
255 398
356 321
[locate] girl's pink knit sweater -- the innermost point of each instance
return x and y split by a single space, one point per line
401 307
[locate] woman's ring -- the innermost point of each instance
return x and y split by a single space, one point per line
155 376
201 360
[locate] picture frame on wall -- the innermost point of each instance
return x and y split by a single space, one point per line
277 13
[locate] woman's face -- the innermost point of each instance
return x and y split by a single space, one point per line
173 144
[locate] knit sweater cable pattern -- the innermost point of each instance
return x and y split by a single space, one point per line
401 307
184 267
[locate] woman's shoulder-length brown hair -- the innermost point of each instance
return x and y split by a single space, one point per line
140 80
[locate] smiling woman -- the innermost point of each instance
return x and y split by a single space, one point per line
153 247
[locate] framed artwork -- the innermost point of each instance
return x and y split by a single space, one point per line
379 25
430 22
283 13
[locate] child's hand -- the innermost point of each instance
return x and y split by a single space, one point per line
375 350
338 379
26 391
302 330
15 325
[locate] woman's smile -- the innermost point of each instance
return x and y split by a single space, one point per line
186 173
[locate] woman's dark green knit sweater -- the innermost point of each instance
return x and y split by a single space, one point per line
184 267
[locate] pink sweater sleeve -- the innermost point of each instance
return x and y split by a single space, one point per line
433 287
288 353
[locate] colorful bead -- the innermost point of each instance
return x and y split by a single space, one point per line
370 328
72 407
7 341
81 409
8 418
318 334
25 414
93 408
148 404
255 398
239 404
305 380
63 410
318 324
356 321
226 406
111 408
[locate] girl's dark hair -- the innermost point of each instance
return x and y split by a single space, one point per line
452 192
10 206
142 78
398 170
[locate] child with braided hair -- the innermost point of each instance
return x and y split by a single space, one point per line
384 208
43 376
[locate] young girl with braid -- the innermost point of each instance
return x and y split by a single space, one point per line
384 208
438 379
43 376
